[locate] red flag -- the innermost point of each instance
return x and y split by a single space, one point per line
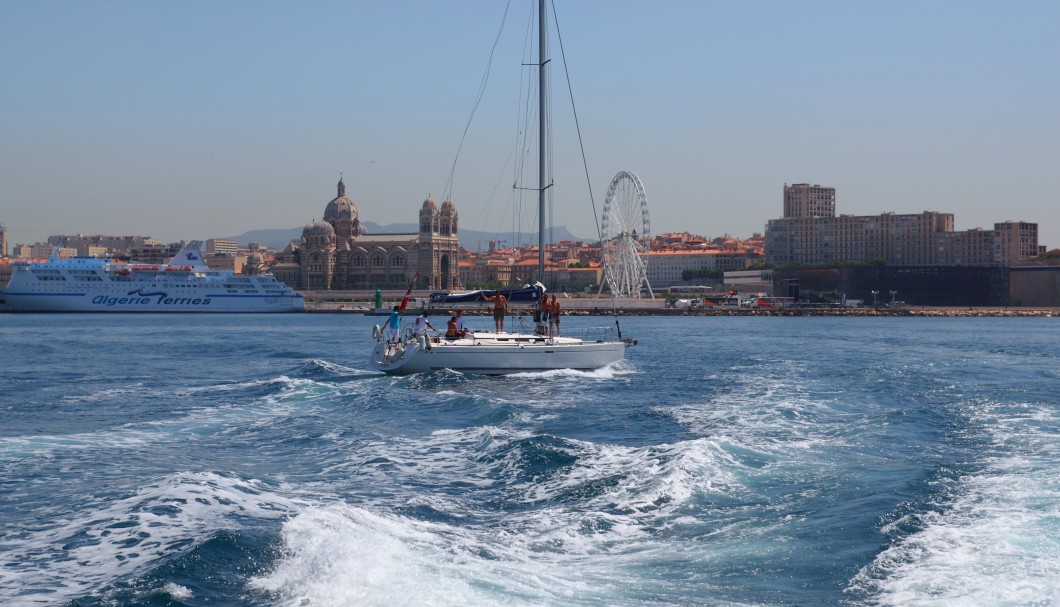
405 302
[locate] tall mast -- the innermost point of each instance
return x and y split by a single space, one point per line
542 134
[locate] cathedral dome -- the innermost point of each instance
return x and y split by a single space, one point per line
340 207
318 229
429 205
448 206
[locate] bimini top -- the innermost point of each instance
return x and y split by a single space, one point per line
527 294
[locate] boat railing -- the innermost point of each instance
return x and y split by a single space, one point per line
597 333
524 323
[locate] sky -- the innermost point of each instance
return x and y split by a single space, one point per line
203 119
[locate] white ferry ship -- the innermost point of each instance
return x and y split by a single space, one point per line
185 284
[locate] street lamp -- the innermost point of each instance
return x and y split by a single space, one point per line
875 293
894 295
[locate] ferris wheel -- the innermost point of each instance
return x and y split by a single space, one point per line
625 233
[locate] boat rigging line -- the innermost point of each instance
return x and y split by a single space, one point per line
581 147
448 190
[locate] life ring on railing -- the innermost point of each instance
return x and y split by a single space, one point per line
377 332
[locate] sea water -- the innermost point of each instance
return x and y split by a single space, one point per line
258 460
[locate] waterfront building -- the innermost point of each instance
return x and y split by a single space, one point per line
805 200
99 244
221 246
811 233
750 281
3 241
224 261
258 259
666 267
1017 241
155 253
876 285
43 250
337 253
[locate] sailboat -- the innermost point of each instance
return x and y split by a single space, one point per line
499 353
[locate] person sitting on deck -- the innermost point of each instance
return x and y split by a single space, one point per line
451 331
500 308
460 324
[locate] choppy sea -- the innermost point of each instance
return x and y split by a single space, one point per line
254 460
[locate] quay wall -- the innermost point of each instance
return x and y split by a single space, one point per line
363 302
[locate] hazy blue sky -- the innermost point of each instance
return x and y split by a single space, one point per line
197 119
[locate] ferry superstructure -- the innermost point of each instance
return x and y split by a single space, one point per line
185 284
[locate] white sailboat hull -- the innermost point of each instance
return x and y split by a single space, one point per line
496 354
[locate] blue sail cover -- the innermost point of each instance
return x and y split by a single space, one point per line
523 295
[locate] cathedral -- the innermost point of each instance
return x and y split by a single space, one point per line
338 253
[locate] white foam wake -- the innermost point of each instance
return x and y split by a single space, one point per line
79 553
341 555
996 540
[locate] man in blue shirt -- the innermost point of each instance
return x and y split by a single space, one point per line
395 323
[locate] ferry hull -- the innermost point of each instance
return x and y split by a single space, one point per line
97 302
185 284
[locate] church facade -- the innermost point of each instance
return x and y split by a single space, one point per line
337 252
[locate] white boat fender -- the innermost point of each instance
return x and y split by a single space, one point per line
377 332
424 341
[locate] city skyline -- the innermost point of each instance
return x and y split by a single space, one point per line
168 120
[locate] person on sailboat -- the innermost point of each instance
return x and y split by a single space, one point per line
542 314
500 308
422 323
451 332
553 314
460 324
394 323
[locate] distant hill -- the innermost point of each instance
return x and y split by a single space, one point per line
469 239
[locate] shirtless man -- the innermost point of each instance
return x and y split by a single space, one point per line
542 315
554 316
500 308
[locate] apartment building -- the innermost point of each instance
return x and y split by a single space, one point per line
805 200
99 244
811 233
221 246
